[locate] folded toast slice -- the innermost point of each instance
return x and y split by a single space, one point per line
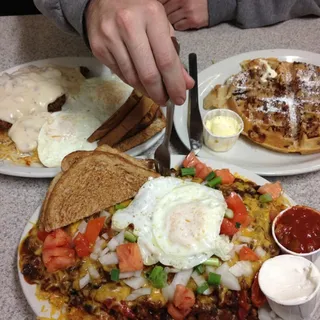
90 185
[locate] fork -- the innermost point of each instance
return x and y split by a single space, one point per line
162 154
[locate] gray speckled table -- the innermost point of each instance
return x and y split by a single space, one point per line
28 38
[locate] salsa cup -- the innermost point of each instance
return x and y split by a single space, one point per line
221 143
312 256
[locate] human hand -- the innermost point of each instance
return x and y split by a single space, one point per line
187 14
133 39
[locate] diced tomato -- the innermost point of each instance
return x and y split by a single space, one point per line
82 245
242 314
42 235
239 209
190 161
228 228
243 300
257 296
226 176
57 238
93 229
58 258
247 254
176 313
184 297
274 189
129 256
272 214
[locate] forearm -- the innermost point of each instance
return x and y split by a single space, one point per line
258 13
68 15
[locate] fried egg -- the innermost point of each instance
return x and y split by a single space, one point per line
176 222
64 133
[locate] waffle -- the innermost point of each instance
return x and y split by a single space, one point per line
278 101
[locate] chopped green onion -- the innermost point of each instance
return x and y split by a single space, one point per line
214 182
158 277
238 225
214 262
210 176
200 268
201 289
229 213
214 278
130 236
267 197
115 274
188 171
120 206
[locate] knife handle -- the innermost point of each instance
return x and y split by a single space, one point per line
193 71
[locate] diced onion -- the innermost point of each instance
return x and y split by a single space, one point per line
210 269
94 256
200 280
104 251
135 283
228 280
138 273
126 275
242 268
238 247
181 277
245 239
98 245
84 281
82 227
109 258
115 241
138 293
105 236
260 252
105 214
171 270
94 274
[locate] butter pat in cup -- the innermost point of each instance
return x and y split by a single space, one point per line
221 129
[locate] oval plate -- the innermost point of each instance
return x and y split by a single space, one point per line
96 69
245 153
42 308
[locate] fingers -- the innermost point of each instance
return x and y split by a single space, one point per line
137 43
182 25
172 6
167 59
188 79
176 16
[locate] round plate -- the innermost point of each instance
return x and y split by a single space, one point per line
245 153
42 308
97 69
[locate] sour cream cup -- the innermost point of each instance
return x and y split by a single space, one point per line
301 305
219 143
312 256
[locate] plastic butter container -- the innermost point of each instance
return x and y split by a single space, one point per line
221 129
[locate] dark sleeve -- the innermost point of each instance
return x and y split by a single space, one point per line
259 13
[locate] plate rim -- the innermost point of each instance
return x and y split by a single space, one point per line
10 169
176 160
204 152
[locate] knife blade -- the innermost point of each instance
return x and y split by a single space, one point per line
195 126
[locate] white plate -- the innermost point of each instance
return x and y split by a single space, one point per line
245 153
97 69
42 308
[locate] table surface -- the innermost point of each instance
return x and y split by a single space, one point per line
29 38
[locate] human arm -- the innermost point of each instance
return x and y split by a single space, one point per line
131 37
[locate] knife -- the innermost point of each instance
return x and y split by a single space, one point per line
195 126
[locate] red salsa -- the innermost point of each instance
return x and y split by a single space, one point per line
298 229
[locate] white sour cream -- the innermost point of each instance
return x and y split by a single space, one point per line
289 280
269 73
